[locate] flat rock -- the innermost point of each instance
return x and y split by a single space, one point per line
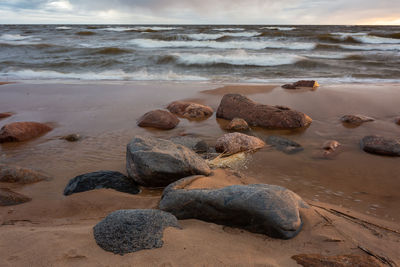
101 179
283 144
157 162
237 142
302 83
160 119
317 260
258 208
196 144
381 146
22 131
255 114
5 115
126 231
9 198
190 110
355 120
15 174
237 124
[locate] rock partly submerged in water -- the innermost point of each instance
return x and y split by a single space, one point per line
10 198
22 131
355 120
381 146
101 179
283 144
5 115
237 124
328 150
15 174
317 260
190 110
196 144
71 137
126 231
237 142
397 121
302 83
157 162
255 114
160 119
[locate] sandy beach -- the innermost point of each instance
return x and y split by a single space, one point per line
55 230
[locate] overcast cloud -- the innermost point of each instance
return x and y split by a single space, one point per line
201 11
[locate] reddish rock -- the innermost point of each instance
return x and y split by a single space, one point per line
22 131
398 121
9 198
280 117
316 260
160 119
5 115
355 120
14 174
302 83
190 110
237 124
237 142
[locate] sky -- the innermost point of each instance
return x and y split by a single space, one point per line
350 12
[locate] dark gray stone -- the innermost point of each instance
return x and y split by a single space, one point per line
157 162
381 146
283 144
264 209
71 137
126 231
101 179
194 143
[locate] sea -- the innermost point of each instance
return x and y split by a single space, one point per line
210 53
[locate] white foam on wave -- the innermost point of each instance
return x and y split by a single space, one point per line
215 36
280 28
17 39
139 28
370 47
228 29
63 28
251 45
321 80
363 37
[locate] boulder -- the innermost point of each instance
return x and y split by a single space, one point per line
190 110
71 137
5 115
258 208
317 260
196 144
283 144
302 83
381 146
237 142
355 120
101 179
126 231
9 198
238 106
22 131
237 124
14 174
160 119
157 162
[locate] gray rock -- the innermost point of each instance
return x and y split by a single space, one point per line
15 174
9 198
126 231
71 137
196 144
283 144
381 146
264 209
157 162
101 179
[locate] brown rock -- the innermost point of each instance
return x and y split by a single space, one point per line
14 174
398 121
330 145
71 137
237 142
237 124
355 120
22 131
5 115
160 119
328 150
9 198
315 260
381 146
238 106
302 83
190 110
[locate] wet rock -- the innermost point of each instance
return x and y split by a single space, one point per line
317 260
22 131
328 150
330 145
238 106
157 162
237 124
355 120
237 142
196 144
302 83
9 198
101 179
258 208
14 174
72 137
398 121
126 231
381 146
235 161
190 110
160 119
283 144
5 115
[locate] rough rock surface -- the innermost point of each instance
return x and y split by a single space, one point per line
238 106
196 144
283 144
14 174
355 120
9 198
190 110
5 115
126 231
317 260
22 131
381 146
237 142
101 179
237 124
157 162
265 209
160 119
302 83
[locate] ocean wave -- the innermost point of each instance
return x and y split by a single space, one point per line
228 29
337 39
279 28
17 39
216 36
139 29
112 51
365 38
370 47
63 28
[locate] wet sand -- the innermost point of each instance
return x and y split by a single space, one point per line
56 230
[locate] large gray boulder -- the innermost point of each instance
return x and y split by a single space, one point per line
157 162
259 208
126 231
381 146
